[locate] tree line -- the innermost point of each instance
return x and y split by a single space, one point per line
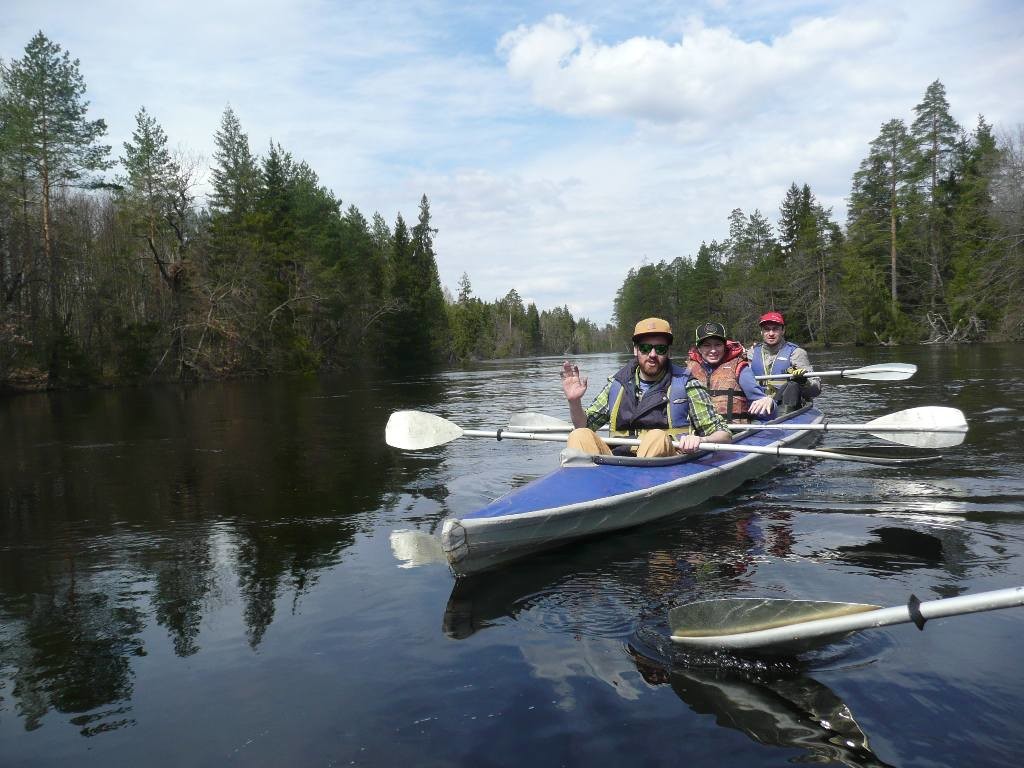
112 270
931 250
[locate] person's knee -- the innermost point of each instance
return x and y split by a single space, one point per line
655 443
788 397
583 439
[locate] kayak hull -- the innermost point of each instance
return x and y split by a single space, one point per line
585 497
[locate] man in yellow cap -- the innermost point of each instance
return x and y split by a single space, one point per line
650 398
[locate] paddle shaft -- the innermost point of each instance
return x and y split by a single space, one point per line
924 427
880 372
725 447
883 617
756 426
825 426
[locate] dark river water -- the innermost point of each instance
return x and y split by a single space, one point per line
205 577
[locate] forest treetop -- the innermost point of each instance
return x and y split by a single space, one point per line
110 269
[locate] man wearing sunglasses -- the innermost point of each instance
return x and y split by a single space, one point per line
650 398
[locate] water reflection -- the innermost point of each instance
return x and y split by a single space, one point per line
159 548
896 548
779 709
694 556
163 507
70 650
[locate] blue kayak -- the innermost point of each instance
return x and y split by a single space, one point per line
588 495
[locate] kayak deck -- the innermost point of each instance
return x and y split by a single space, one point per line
568 486
595 495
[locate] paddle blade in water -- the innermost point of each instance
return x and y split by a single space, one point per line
713 618
415 430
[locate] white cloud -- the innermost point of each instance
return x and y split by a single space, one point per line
708 75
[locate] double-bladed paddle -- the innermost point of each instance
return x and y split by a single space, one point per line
930 426
416 430
879 372
791 626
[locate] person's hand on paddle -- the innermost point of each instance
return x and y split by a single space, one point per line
574 385
799 375
762 406
688 444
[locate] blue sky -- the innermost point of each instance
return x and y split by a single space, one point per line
560 144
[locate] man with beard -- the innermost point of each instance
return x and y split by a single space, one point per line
650 398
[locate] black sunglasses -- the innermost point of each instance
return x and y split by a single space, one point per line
645 349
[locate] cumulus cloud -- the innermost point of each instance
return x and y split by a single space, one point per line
709 73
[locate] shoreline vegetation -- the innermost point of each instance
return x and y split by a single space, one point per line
112 272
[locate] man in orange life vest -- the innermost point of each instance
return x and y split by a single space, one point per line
718 364
650 398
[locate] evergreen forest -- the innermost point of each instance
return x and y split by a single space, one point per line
114 269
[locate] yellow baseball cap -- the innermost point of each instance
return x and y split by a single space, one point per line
652 325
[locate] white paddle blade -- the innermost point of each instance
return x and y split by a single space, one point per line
930 426
415 430
882 372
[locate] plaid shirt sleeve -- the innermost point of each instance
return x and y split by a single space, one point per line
703 416
597 412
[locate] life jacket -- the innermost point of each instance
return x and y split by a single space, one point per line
723 381
664 405
781 363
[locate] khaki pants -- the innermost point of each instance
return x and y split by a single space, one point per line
653 443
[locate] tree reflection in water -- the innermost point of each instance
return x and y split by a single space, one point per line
131 508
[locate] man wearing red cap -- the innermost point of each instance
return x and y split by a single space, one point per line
776 355
650 398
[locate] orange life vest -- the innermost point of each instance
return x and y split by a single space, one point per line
723 381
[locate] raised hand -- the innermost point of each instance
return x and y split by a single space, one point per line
573 385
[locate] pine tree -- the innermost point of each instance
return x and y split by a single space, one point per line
975 232
431 299
809 254
881 195
235 175
43 117
935 134
156 197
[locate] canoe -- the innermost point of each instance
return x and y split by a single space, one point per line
589 495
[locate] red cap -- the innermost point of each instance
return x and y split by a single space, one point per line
771 317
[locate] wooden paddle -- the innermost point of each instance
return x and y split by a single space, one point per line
791 626
415 430
880 372
930 426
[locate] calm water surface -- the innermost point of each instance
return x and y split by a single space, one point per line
205 577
